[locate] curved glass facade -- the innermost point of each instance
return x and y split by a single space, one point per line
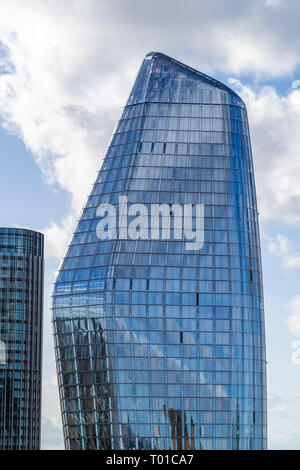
159 346
21 308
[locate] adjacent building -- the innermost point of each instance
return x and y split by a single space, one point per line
21 318
158 304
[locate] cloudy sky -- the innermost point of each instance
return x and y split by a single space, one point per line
66 69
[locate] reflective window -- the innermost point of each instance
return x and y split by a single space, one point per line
170 353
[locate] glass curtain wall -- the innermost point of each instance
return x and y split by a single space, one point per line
157 346
21 308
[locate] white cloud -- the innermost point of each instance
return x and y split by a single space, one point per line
274 125
57 236
67 67
281 246
52 437
293 318
296 84
73 63
283 422
274 3
60 100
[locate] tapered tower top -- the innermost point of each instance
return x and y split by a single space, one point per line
164 79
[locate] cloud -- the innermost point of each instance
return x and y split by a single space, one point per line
67 68
62 97
51 418
281 246
57 236
274 125
274 3
52 439
283 421
293 320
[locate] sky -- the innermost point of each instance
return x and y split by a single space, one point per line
66 70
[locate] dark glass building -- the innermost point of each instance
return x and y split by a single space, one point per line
160 344
21 315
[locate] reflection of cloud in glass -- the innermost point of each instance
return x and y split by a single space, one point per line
171 379
296 84
2 353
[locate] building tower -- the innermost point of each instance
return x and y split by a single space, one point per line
21 315
159 342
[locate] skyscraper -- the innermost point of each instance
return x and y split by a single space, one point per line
160 340
21 318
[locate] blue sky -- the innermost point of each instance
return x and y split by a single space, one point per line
66 69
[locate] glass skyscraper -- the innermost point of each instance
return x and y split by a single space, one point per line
21 310
160 345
